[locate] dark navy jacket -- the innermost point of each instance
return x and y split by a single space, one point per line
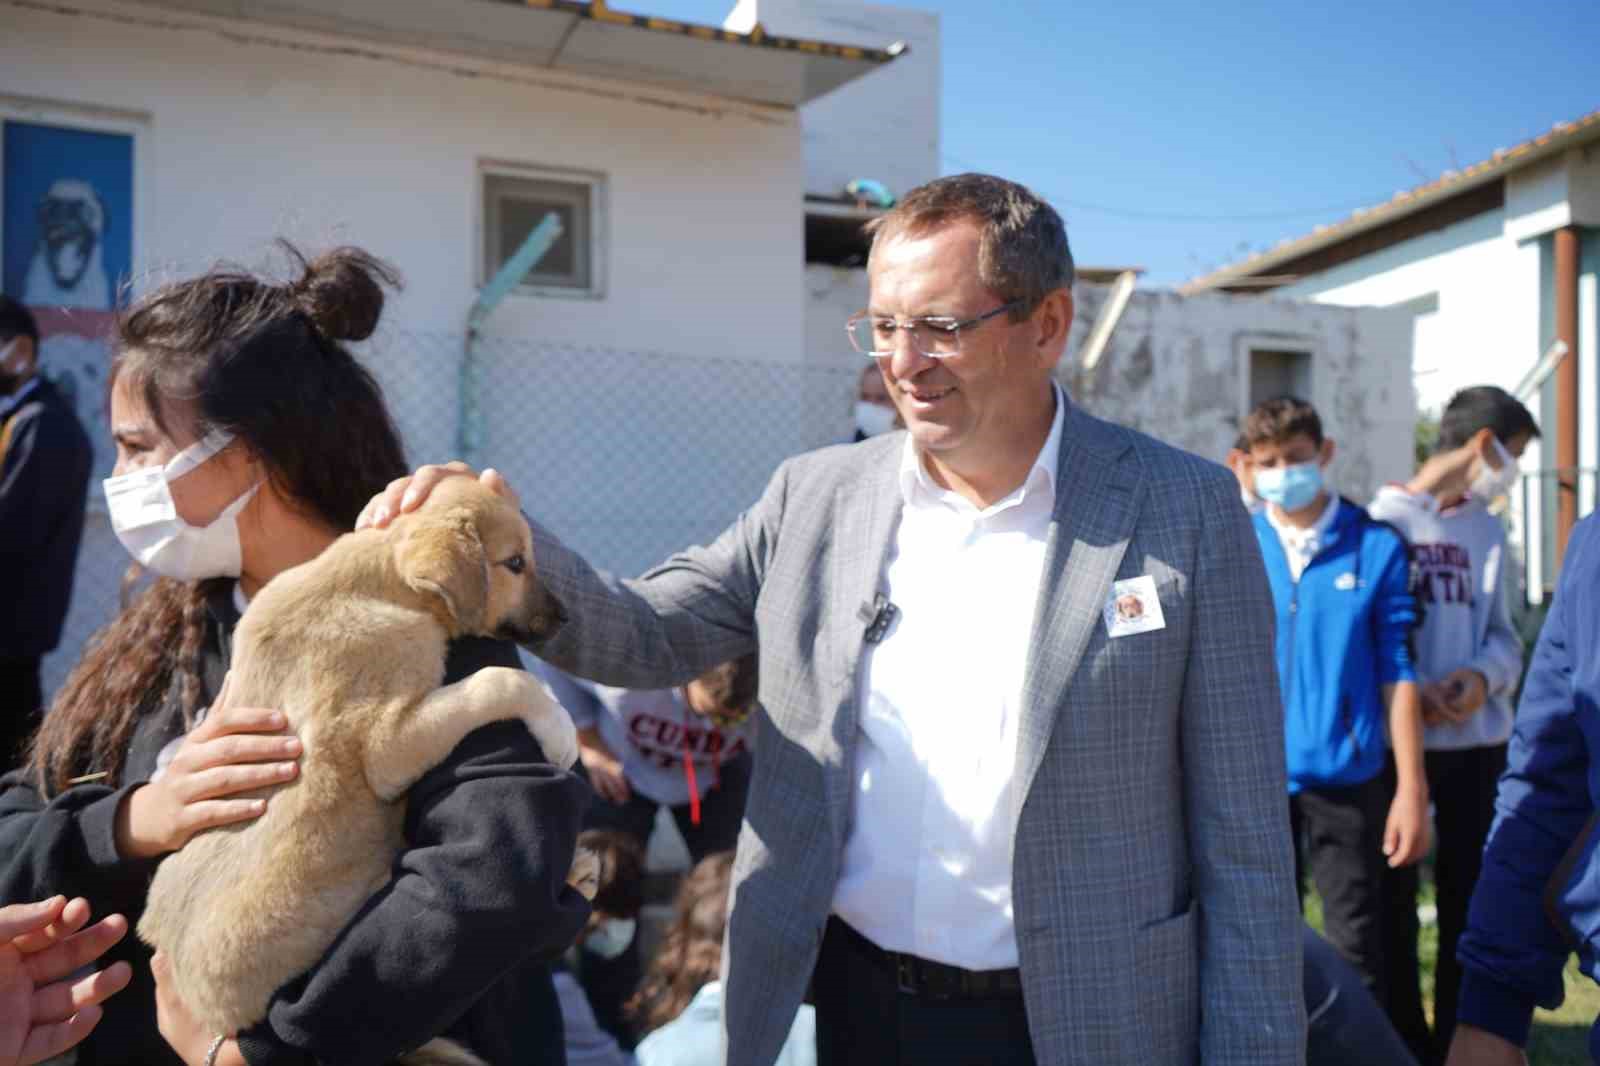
1538 898
1344 631
43 481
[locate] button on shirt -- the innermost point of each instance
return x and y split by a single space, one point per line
1302 545
927 865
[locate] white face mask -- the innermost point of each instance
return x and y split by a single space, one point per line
873 419
147 523
1489 483
611 937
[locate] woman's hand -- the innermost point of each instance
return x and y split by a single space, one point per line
408 493
236 749
180 1029
43 1010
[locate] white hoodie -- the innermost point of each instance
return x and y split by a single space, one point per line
1458 558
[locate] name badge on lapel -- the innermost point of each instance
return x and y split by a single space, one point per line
1133 608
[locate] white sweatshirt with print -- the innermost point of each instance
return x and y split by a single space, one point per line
1459 558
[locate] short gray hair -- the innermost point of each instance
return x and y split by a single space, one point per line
1023 254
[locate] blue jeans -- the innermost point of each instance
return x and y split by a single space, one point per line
1346 1025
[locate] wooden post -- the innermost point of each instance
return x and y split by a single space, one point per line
1567 245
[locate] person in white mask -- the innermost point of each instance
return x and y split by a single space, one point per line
1469 660
248 438
601 1037
875 411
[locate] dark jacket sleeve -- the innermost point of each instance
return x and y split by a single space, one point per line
479 889
66 845
1511 954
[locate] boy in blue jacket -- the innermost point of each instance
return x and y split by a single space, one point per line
1341 583
1538 897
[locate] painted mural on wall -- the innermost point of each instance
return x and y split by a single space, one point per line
66 211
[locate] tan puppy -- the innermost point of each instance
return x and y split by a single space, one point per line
351 646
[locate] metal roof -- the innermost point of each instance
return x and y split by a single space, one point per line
583 38
1263 267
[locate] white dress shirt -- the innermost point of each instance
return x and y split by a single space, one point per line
927 864
1302 545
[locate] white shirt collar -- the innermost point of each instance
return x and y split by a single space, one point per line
917 487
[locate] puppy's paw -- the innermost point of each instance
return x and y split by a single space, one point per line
585 873
552 727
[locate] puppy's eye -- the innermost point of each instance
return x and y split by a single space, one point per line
516 564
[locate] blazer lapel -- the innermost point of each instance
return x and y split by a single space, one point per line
1097 502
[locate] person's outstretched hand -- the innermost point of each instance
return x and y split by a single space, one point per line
408 493
43 1011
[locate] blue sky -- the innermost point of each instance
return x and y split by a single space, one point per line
1178 138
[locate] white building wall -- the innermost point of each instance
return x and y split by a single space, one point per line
883 126
243 142
1178 367
1485 330
635 423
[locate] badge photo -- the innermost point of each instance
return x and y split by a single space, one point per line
1134 607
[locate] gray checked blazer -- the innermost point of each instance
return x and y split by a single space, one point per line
1153 885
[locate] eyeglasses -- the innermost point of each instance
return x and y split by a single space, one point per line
937 337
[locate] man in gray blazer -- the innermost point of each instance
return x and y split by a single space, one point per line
1019 793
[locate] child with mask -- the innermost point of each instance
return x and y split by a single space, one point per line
687 750
1469 660
1341 585
612 929
248 437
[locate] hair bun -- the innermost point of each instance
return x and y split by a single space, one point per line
341 291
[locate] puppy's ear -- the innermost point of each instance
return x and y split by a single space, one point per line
442 555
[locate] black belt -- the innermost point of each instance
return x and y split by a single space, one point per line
916 976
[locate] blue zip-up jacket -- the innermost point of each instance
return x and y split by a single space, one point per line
1538 897
1344 632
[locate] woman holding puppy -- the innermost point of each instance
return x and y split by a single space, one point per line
248 439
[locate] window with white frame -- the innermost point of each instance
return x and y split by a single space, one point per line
516 200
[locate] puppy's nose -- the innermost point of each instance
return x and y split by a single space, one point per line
555 610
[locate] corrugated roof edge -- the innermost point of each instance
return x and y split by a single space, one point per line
599 11
1560 137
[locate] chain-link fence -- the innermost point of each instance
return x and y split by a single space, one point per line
1538 504
625 455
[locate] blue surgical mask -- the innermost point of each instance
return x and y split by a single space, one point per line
611 937
1289 487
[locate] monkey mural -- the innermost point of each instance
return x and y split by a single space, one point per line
68 266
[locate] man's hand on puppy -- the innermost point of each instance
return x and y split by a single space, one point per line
406 494
235 749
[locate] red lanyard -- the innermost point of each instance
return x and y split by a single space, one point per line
688 768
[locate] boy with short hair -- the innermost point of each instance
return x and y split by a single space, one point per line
1238 463
1469 659
1341 585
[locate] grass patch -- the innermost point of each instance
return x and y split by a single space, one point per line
1560 1037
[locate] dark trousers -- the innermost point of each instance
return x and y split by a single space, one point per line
21 699
1338 836
863 1019
1462 785
1345 1025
